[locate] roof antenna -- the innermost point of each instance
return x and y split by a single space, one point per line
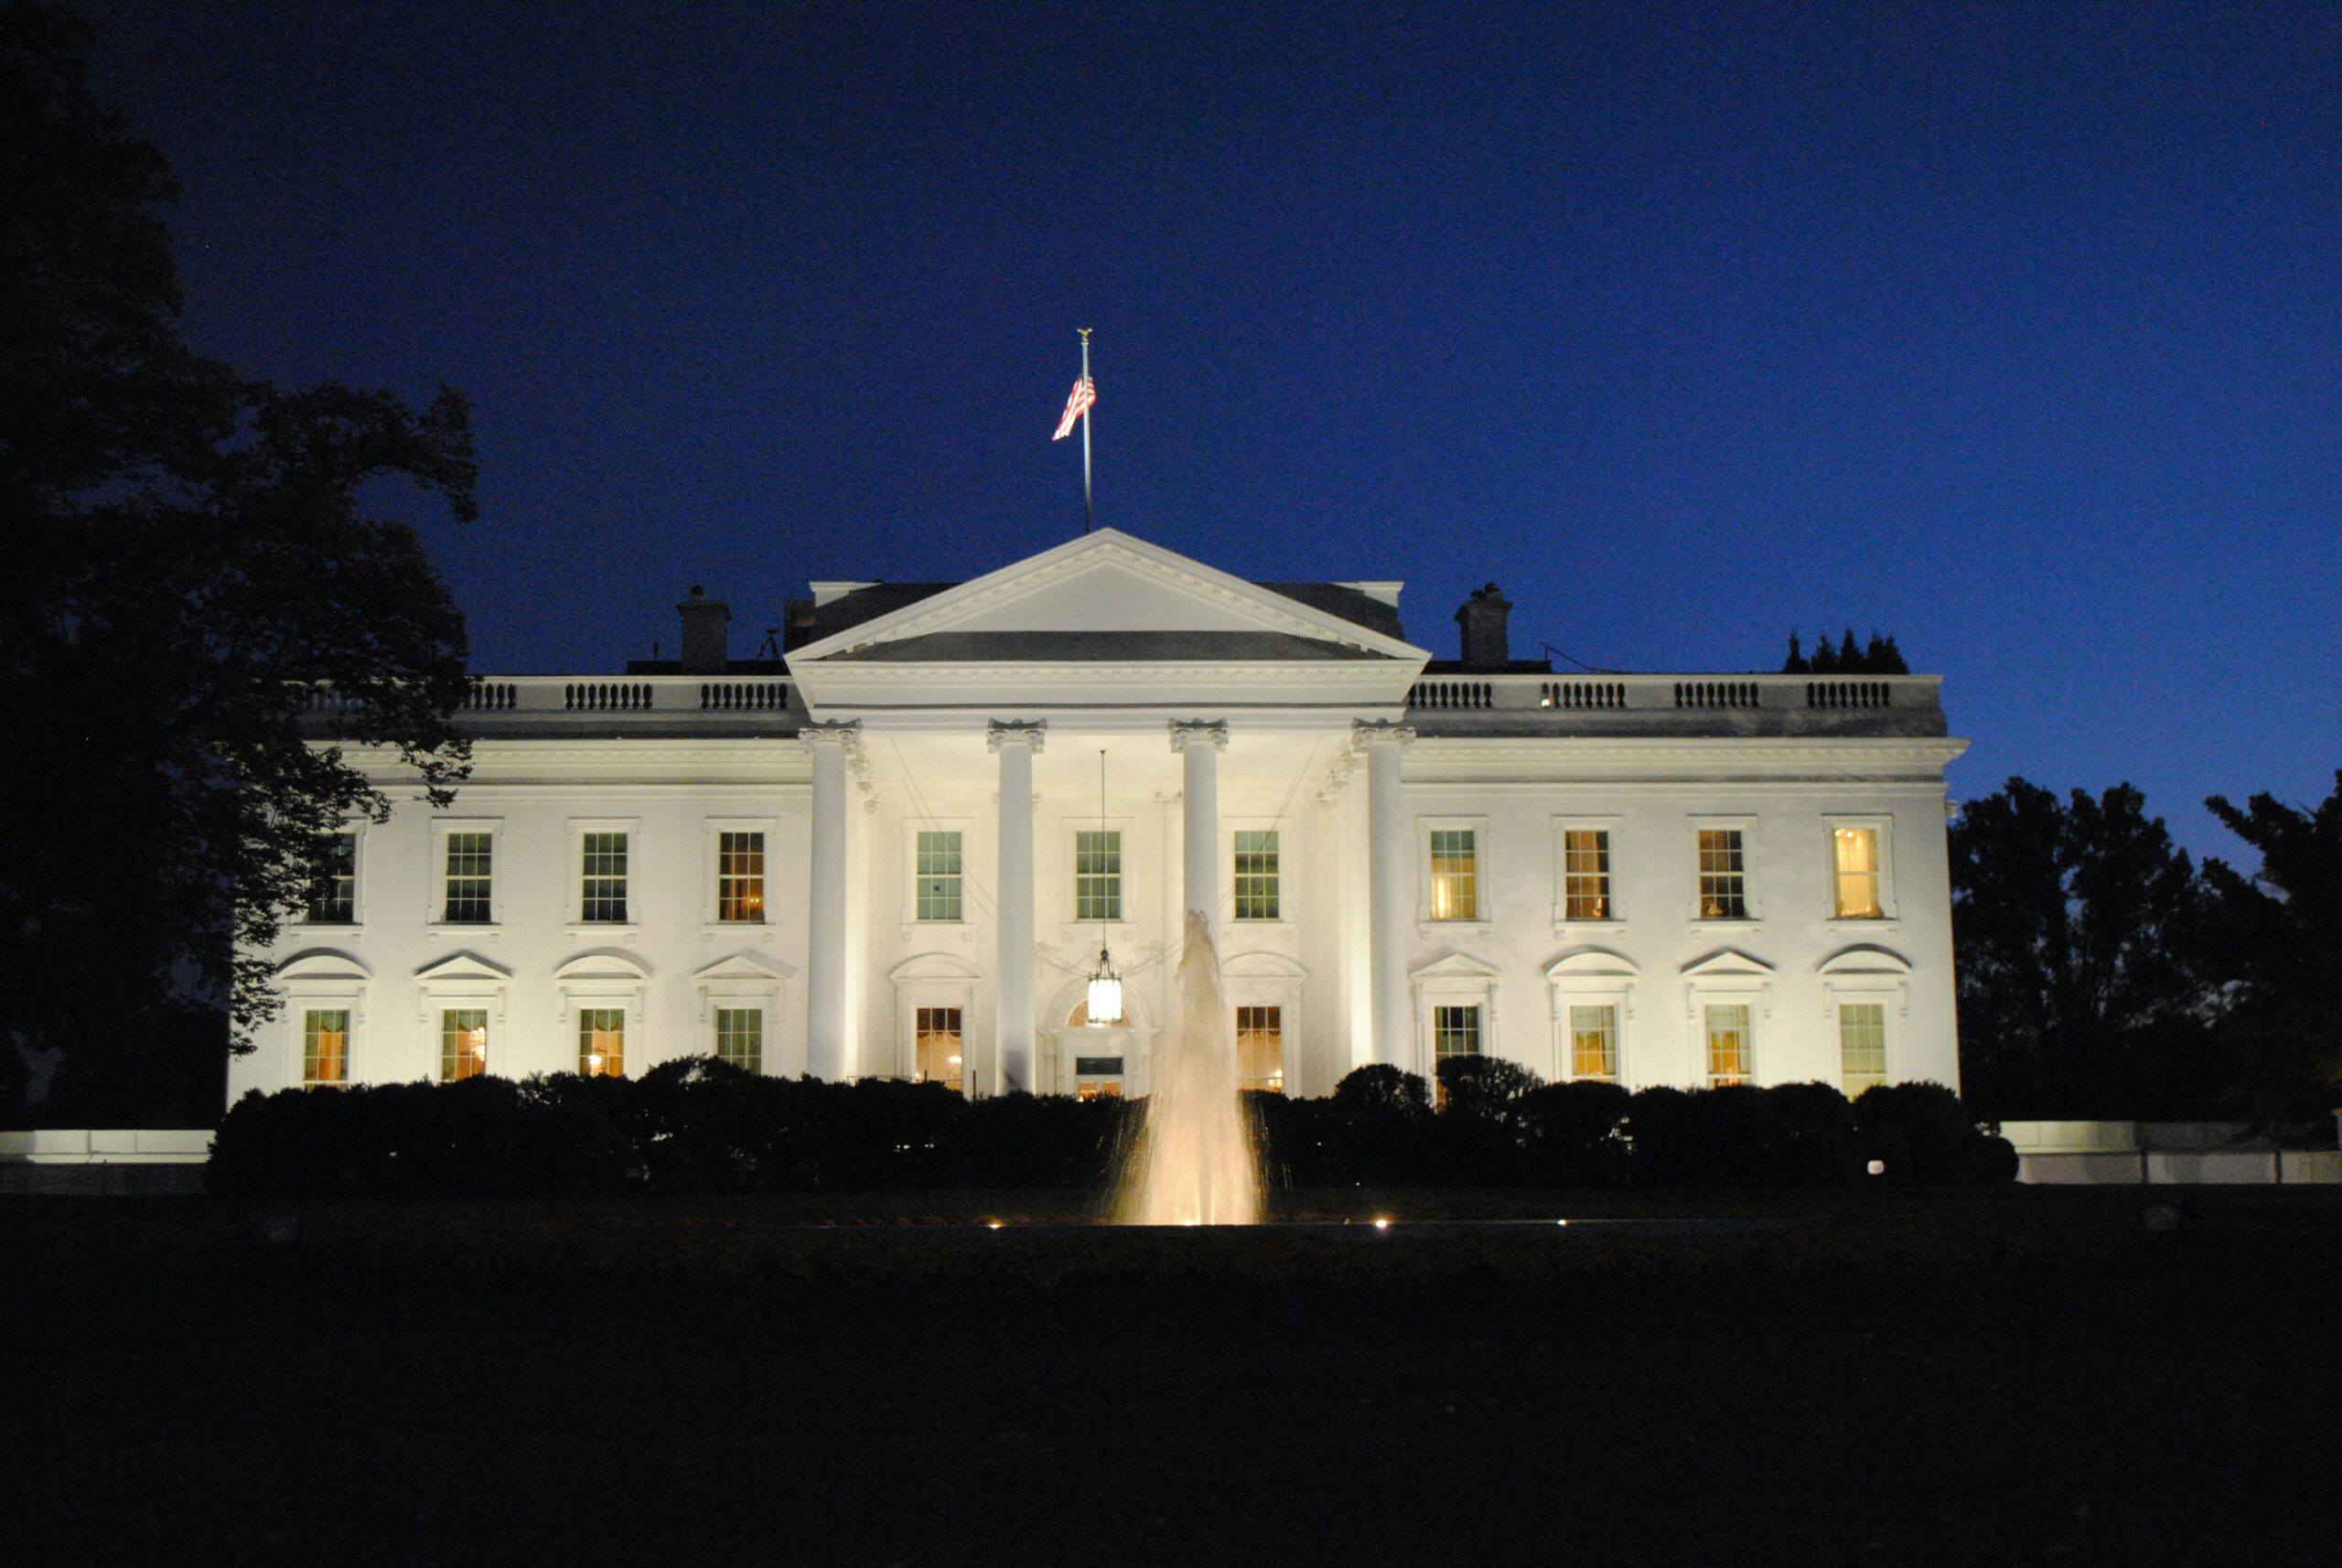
770 648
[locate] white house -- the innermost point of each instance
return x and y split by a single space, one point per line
898 848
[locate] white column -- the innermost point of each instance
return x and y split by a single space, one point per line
825 999
1013 985
1199 742
1386 871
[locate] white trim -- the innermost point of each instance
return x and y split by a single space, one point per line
1745 823
323 980
711 893
1882 824
435 881
462 980
1562 825
737 982
1286 839
1727 977
629 930
1482 921
604 979
1259 978
912 826
934 980
1454 979
1594 977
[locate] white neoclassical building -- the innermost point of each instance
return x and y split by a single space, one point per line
897 844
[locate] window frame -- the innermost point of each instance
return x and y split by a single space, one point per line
629 928
356 833
913 832
488 1041
717 1013
322 981
1075 827
435 884
458 982
1478 826
1594 977
1724 979
597 981
741 982
1562 826
1280 876
1751 901
936 979
1882 826
1864 973
1457 980
711 881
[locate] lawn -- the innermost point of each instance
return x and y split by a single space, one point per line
1889 1377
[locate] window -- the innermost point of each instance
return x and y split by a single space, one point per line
601 1042
1259 1048
471 869
1585 874
1455 1032
333 895
463 1043
740 1037
1455 874
1098 875
602 897
940 1048
1594 1042
938 875
1257 892
1724 880
1854 856
1861 1045
740 877
325 1047
1728 1053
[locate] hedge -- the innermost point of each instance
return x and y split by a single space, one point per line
702 1126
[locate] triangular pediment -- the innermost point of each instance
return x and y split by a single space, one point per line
743 967
1727 961
461 966
1106 597
1456 966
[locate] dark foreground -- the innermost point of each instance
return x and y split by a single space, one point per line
2011 1376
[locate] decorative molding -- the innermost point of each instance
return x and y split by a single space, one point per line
1033 732
1185 732
1370 732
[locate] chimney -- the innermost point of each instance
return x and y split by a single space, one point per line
1482 619
705 636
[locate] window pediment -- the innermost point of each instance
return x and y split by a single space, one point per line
1728 963
933 966
323 964
602 964
462 966
742 967
1261 966
1456 966
1585 963
1865 957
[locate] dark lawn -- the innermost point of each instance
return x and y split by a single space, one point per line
2013 1376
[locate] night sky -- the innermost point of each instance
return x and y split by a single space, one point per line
2014 330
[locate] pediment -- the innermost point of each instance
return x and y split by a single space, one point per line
604 963
1581 962
323 964
1456 966
1106 597
462 966
933 966
741 966
1864 957
1727 961
1261 966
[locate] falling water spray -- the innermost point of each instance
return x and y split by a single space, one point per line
1195 1161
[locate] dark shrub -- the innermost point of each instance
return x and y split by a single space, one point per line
1662 1129
1572 1134
1810 1139
1928 1138
1481 1136
1377 1128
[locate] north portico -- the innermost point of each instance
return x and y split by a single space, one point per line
886 852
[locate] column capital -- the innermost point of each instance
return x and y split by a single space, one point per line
1033 732
846 733
1185 732
1370 732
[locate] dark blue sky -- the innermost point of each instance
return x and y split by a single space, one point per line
2014 330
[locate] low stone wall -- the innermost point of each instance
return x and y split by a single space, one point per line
2157 1153
106 1146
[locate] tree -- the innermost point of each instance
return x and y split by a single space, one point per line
2278 931
202 561
2077 930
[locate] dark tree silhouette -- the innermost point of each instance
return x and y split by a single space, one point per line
2277 933
193 557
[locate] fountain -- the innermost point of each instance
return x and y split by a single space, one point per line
1195 1161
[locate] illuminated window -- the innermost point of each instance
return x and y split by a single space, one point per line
1259 1048
1585 874
469 879
1098 1089
1724 880
1728 1054
325 1047
1861 1045
1593 1043
941 1049
740 1037
740 877
463 1043
1455 1032
1455 874
938 875
603 897
1098 875
1854 851
601 1042
333 893
1258 896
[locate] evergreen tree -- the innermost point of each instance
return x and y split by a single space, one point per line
1825 657
1891 660
1849 655
1795 664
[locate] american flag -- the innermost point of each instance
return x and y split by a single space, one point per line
1085 393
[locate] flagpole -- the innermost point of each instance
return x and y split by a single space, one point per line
1085 435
